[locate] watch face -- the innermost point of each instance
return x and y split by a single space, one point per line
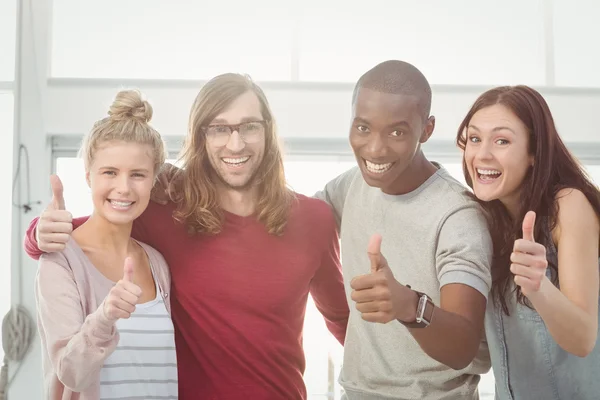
421 310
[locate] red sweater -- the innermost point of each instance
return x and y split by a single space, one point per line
238 299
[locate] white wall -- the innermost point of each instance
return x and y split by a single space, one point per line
61 106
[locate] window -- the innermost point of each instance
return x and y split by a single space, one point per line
6 207
594 172
458 42
155 39
8 30
576 50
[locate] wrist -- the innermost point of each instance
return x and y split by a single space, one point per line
541 294
408 313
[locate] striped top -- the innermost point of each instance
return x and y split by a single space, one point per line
143 366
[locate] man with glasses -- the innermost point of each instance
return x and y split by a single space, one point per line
244 252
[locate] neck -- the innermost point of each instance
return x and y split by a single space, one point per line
512 205
239 202
99 233
414 176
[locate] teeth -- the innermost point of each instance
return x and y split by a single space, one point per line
377 168
236 161
488 172
121 203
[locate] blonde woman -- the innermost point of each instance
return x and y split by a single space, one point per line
103 309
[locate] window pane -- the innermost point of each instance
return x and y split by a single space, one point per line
6 207
576 48
170 40
8 29
452 42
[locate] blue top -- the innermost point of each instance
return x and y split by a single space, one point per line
528 363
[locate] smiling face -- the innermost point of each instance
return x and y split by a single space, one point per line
497 154
121 175
236 161
385 135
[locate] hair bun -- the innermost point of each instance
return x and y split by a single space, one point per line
129 104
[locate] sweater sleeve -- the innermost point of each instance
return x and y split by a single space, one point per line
77 345
327 286
30 243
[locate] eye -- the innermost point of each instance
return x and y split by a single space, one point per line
218 128
252 126
474 139
111 173
502 141
138 175
362 128
397 133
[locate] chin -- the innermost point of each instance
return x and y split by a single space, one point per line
485 195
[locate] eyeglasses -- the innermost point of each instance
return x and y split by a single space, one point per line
250 132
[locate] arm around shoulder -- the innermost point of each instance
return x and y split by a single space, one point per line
76 344
327 286
335 191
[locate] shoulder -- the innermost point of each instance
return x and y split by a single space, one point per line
451 200
574 210
154 254
312 208
314 214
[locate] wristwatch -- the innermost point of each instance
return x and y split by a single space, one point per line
425 309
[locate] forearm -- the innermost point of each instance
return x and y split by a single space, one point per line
574 329
29 243
450 339
78 359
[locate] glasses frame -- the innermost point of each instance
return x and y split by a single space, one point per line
235 127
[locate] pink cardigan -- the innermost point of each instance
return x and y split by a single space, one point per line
76 336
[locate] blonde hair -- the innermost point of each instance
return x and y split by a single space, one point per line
199 206
128 120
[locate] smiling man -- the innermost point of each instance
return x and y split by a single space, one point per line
416 320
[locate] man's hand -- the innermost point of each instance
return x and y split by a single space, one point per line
55 225
124 296
167 185
378 295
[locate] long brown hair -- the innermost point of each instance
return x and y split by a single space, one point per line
199 206
554 168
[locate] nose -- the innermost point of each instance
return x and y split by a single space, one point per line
235 143
123 184
484 151
376 146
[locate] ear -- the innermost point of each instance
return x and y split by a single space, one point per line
87 179
427 129
532 160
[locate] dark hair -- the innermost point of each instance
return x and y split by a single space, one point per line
397 77
554 169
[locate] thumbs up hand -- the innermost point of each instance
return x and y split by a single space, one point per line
55 224
122 298
528 259
378 295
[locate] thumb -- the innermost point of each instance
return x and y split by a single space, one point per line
374 252
528 225
58 201
128 270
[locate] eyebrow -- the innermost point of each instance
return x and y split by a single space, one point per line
399 123
133 170
244 119
496 129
